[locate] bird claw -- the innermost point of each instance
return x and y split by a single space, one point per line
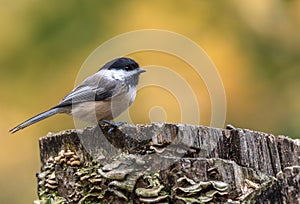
114 125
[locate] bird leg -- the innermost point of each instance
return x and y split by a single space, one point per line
113 125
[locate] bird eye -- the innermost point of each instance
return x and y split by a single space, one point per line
129 68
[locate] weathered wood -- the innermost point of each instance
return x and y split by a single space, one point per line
168 163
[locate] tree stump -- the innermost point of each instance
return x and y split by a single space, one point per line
168 163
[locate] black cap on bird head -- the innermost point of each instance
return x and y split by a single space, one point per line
124 63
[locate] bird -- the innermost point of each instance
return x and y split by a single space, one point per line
100 97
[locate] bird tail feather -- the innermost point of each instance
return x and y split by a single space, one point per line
34 119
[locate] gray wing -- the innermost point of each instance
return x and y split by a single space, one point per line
92 90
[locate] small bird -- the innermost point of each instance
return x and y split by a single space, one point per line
100 97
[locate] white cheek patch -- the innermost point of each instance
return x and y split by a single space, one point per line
114 74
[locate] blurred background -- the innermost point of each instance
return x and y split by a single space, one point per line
255 45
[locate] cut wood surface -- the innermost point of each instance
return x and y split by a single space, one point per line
168 163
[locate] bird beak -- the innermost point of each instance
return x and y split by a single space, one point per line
141 70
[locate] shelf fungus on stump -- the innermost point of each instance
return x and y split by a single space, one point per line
167 163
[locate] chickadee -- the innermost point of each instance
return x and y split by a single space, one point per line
102 96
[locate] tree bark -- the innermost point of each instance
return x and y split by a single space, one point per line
168 163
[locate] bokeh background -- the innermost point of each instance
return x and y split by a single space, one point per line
254 44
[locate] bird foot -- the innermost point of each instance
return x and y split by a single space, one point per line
113 125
